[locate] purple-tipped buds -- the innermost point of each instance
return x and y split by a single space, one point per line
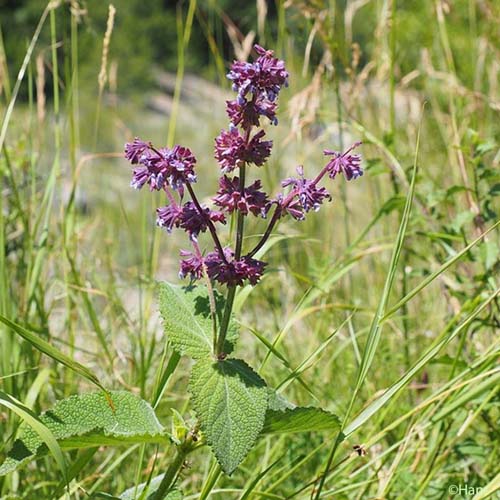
232 272
267 74
191 265
349 165
309 194
160 168
230 198
134 150
226 271
258 85
231 149
188 218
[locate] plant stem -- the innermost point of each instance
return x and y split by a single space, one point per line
219 347
231 292
241 217
211 296
174 468
210 224
272 223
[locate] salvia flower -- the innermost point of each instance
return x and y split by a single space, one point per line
258 151
231 149
230 198
247 114
287 204
134 150
258 85
172 170
266 75
160 168
169 217
191 265
195 222
310 195
233 272
345 163
188 218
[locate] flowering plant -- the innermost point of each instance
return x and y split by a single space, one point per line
232 403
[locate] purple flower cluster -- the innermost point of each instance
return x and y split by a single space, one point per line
309 195
224 269
258 85
160 168
230 198
187 217
232 150
172 170
345 163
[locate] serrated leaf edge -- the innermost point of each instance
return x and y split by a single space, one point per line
209 441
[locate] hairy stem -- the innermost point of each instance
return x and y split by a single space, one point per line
219 347
269 229
211 295
210 224
241 217
174 468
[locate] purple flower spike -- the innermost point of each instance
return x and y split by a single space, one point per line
233 272
349 165
258 151
194 223
229 197
310 196
134 150
231 149
192 265
258 85
267 74
160 168
169 217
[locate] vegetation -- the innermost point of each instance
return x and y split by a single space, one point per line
382 309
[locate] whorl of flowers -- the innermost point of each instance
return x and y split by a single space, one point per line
172 170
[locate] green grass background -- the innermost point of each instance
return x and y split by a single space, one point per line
80 254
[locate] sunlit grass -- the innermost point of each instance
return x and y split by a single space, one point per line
404 350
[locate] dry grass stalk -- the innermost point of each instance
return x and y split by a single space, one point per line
102 78
40 87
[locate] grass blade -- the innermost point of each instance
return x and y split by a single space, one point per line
52 352
34 422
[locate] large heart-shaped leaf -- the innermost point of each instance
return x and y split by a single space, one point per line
187 319
230 400
89 420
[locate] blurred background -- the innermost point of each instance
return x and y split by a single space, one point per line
80 253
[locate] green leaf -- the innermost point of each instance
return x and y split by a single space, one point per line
277 402
147 491
187 320
230 400
299 420
42 433
89 420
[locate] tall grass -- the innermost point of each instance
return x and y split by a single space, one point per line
384 309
